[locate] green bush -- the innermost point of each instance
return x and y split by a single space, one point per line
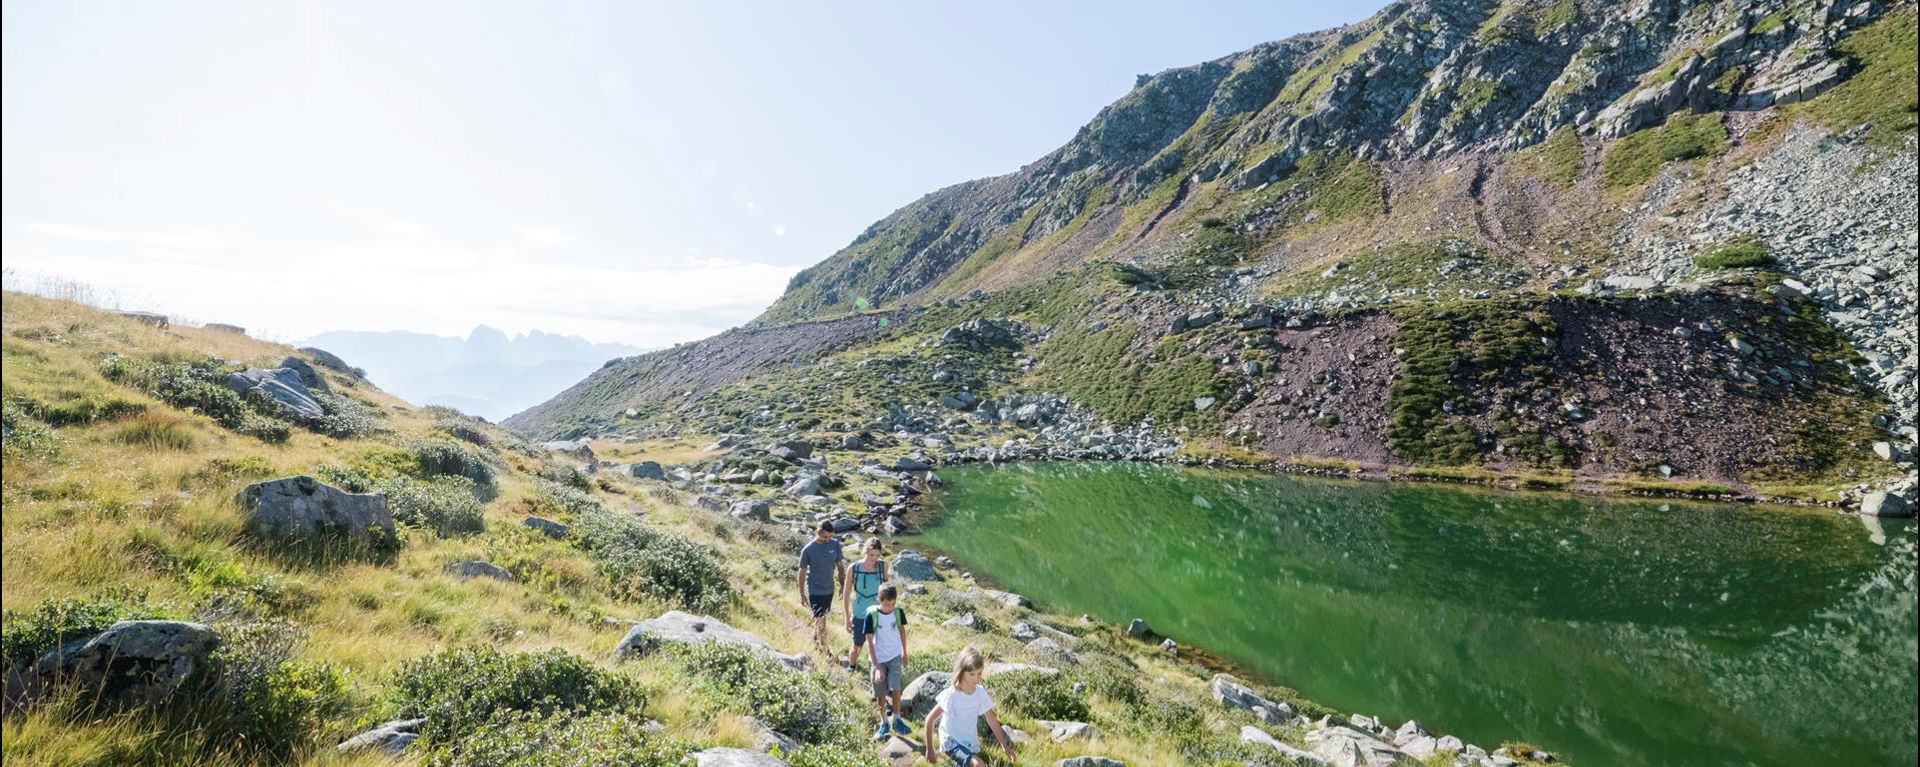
463 428
26 635
269 700
640 560
345 417
1035 695
563 739
1744 252
445 457
459 691
25 437
199 386
1110 676
446 505
832 756
798 705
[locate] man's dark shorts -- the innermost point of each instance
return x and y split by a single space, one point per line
820 603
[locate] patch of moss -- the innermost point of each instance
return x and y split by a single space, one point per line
1473 96
1637 157
1559 158
1743 252
1767 23
1442 346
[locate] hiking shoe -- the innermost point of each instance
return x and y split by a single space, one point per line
900 726
880 733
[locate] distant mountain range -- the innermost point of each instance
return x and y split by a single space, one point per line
488 373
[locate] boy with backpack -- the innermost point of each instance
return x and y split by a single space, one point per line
886 631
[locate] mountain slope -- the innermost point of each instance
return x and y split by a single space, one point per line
1263 256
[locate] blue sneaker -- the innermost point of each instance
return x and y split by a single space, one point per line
900 726
880 733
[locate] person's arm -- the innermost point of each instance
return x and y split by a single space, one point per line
844 582
1006 744
902 628
873 652
803 576
846 607
926 731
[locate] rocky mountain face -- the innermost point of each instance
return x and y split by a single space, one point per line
1575 241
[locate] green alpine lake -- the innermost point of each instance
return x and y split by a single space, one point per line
1613 631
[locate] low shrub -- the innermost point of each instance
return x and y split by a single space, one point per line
199 386
25 437
446 505
1035 695
270 700
640 560
445 457
460 691
458 426
563 739
345 417
801 706
1637 157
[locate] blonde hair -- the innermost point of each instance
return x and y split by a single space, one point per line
969 659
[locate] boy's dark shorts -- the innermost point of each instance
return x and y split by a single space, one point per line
820 603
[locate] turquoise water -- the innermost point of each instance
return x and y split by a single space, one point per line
1614 632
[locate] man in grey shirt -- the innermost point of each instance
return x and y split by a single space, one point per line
822 567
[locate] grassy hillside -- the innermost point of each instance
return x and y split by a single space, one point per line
120 503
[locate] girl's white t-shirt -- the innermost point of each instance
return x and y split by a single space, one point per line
961 723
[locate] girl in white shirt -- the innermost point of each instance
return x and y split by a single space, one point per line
957 711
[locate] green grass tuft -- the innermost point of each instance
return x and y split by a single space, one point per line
1636 158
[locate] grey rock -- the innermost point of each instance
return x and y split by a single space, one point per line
303 509
1061 732
912 566
917 697
1022 632
678 627
1881 503
139 662
546 526
147 318
478 569
1255 736
791 451
389 738
962 621
1231 693
308 376
283 386
1137 628
753 509
646 470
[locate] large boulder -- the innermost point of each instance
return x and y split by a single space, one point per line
910 565
577 449
1348 747
646 470
312 378
303 509
792 450
284 386
1231 693
1881 503
132 661
677 627
980 335
389 738
756 510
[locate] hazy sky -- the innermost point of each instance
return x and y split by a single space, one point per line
635 172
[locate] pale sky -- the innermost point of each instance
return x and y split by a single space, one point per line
644 173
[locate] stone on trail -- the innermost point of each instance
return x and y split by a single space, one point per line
913 566
302 508
735 757
390 738
685 628
900 751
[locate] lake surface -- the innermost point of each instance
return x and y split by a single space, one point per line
1614 632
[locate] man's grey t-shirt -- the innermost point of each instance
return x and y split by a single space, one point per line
819 560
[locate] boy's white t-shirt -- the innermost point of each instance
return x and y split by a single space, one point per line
961 723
